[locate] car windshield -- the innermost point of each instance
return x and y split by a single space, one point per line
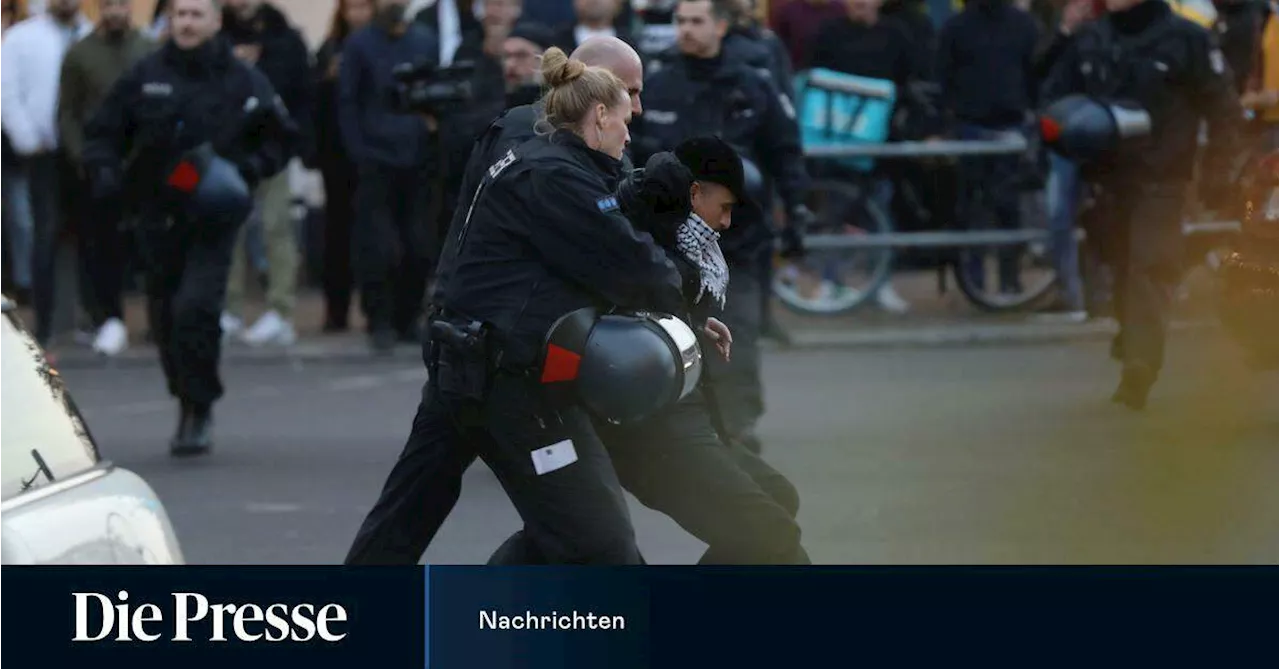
42 437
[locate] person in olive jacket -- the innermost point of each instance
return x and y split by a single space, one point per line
89 70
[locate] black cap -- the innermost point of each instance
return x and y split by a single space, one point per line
712 159
534 32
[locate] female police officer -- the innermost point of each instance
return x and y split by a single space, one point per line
544 237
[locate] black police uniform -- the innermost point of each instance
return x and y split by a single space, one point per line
170 102
675 462
686 97
543 237
1172 68
737 522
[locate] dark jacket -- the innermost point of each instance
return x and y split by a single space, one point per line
284 60
330 150
760 48
173 101
883 50
986 64
685 97
373 131
1169 66
913 16
545 237
1239 27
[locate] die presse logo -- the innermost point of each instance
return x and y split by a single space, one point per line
188 616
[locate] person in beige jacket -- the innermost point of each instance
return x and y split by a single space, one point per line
90 69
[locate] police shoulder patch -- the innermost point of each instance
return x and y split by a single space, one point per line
607 204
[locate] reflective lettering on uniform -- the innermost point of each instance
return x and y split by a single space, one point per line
607 204
661 117
1217 62
497 168
157 89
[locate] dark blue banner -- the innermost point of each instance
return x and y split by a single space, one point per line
619 618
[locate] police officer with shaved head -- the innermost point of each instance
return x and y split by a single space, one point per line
182 139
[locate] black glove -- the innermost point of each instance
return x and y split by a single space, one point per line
799 220
249 171
104 183
665 185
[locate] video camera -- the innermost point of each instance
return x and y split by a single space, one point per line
426 88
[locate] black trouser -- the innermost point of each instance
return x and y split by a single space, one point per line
577 514
187 266
992 181
391 240
45 174
726 496
101 246
736 389
1142 242
426 481
340 184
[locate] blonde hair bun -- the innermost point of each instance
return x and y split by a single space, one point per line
558 69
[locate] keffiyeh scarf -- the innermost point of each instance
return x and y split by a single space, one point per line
700 245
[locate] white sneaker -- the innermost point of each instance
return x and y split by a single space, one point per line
271 328
231 326
112 338
891 301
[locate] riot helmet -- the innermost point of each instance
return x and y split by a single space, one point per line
622 367
1085 129
209 188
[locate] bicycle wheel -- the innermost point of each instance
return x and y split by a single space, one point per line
834 281
1005 278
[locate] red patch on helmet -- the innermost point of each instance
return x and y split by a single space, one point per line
561 365
184 177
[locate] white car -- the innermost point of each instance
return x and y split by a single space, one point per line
60 502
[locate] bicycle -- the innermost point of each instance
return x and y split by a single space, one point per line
831 281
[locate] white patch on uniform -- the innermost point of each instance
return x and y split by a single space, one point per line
157 89
1086 67
556 456
1217 62
787 107
502 164
251 104
1162 66
661 117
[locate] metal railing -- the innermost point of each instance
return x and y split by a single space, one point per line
1013 144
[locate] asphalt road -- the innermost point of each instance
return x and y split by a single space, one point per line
914 456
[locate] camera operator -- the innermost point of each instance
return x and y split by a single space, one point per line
481 48
394 149
165 141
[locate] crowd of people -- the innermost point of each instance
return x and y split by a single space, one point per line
506 207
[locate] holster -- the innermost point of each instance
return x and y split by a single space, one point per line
463 352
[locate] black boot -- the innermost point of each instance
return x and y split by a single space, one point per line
1135 384
195 431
